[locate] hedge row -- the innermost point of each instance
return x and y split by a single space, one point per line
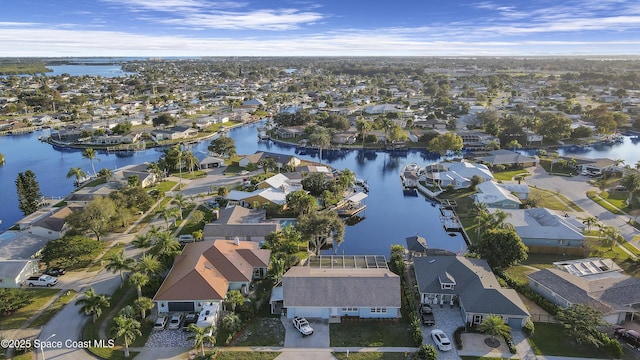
525 290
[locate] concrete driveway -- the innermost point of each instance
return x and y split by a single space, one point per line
448 320
319 338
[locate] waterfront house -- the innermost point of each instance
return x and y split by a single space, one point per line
507 158
470 284
280 159
174 133
545 231
458 173
206 270
494 195
334 286
13 273
48 223
211 162
597 282
243 223
290 132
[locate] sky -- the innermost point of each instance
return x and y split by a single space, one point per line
53 28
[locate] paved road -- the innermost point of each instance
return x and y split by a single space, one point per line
575 188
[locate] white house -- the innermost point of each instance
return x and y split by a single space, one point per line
13 273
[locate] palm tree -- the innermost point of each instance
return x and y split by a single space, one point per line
119 263
142 241
167 213
149 265
143 304
631 182
105 173
363 127
321 138
126 328
590 221
234 298
200 335
278 269
190 160
92 303
165 246
91 155
139 279
494 326
181 201
78 173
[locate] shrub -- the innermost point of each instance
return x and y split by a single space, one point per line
524 289
512 346
614 348
457 337
529 328
427 352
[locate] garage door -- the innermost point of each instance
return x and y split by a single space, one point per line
184 306
309 312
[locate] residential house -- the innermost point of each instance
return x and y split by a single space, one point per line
598 166
13 273
206 270
381 109
545 231
507 158
48 223
597 282
141 171
493 195
280 159
418 246
211 162
243 223
458 174
85 195
333 286
474 140
521 191
290 132
470 284
174 133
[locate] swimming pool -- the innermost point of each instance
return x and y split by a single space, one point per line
7 235
287 222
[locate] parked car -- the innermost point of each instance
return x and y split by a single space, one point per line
56 271
631 337
426 315
42 280
160 323
183 239
190 318
175 322
440 338
302 325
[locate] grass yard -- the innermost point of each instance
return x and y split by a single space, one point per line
593 195
509 175
519 273
98 264
369 333
53 309
17 319
542 261
112 353
372 356
262 332
246 355
554 201
549 339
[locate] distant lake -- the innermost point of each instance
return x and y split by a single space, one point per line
106 71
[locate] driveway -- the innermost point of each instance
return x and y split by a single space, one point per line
319 338
448 320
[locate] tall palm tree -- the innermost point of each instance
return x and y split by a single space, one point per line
165 244
589 221
139 279
92 303
91 155
321 138
119 263
494 326
149 265
126 328
167 213
143 304
363 127
105 173
181 201
142 241
190 160
631 182
200 335
77 173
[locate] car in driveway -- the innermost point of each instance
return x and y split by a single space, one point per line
160 323
426 315
56 271
302 325
631 337
440 338
175 322
184 239
190 318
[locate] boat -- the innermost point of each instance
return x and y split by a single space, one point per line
411 167
363 184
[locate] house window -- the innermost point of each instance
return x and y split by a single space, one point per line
349 309
447 286
477 319
379 310
563 242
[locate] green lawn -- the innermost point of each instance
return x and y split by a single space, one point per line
262 332
548 200
519 273
509 175
372 356
593 195
53 309
98 264
545 260
17 319
549 339
369 333
246 355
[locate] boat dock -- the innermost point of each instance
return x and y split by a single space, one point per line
352 205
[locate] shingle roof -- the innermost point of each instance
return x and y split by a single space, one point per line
339 287
542 223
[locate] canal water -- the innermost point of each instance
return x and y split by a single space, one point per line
390 216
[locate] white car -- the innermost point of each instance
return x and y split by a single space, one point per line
160 323
440 338
175 322
302 325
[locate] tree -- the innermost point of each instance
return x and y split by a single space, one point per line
580 322
139 279
76 173
234 298
231 322
165 247
126 328
315 183
93 304
14 299
494 326
105 173
181 201
301 202
70 250
363 127
223 145
267 163
143 304
319 228
631 182
95 217
501 248
554 126
91 155
321 138
164 119
142 241
29 195
148 264
514 144
589 221
119 263
200 335
445 142
167 213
